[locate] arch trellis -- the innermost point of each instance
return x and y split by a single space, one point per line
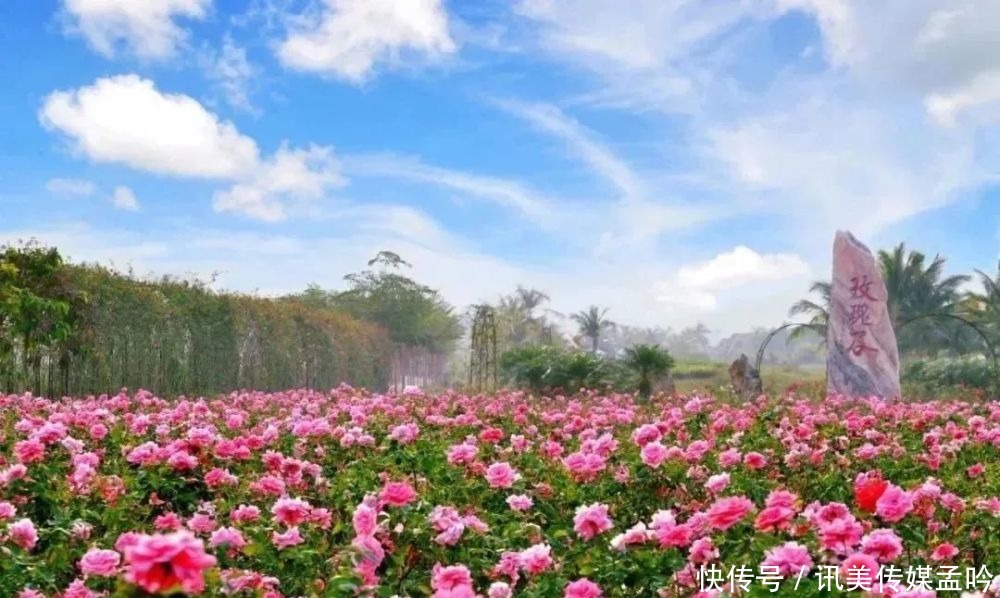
483 350
990 349
771 335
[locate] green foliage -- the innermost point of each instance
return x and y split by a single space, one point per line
543 368
592 323
71 329
414 315
935 375
648 362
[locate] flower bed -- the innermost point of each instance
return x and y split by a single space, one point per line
345 493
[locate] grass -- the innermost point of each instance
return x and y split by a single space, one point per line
711 376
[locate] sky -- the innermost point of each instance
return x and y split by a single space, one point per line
677 161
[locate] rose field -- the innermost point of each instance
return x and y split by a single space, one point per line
306 493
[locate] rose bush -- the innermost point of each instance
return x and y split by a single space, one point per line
346 493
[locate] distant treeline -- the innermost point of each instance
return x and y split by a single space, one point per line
81 329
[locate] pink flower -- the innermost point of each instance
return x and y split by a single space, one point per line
727 512
894 504
591 520
22 532
653 454
171 562
501 475
645 434
582 588
976 470
227 537
365 520
883 544
397 494
790 558
755 460
100 563
519 502
499 589
859 570
717 483
774 519
702 551
287 538
944 552
535 559
447 578
584 466
291 511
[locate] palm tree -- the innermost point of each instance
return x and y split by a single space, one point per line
592 322
819 313
985 307
914 290
648 362
530 299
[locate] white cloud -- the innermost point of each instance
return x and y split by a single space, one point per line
979 95
581 142
146 28
231 72
126 120
944 52
829 164
697 286
289 174
505 192
124 199
646 55
346 39
71 187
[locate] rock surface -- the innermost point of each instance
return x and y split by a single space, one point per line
862 355
744 378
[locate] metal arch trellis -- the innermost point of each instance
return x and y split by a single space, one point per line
483 350
986 340
771 335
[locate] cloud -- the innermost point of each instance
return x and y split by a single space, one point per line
70 187
645 55
347 39
288 174
146 28
124 199
231 73
827 163
940 52
580 141
697 285
126 120
507 193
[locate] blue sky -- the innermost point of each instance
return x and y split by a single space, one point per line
677 160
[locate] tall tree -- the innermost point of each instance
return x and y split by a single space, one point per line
985 307
817 311
591 323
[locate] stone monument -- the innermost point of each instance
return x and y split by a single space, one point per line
745 379
862 356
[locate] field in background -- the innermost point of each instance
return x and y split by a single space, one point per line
712 376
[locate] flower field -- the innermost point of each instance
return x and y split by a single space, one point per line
348 493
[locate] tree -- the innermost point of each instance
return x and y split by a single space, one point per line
818 312
985 307
413 314
592 322
913 289
917 290
530 299
648 362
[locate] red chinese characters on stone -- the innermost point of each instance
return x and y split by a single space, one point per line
859 319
